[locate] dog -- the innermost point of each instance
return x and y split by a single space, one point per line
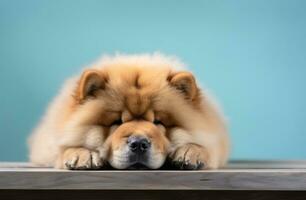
132 111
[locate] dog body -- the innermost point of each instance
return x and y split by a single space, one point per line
130 110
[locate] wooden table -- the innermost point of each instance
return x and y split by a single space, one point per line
239 180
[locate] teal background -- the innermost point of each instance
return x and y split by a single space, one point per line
251 54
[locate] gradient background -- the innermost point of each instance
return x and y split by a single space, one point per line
251 54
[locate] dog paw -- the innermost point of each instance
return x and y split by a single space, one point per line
190 157
81 158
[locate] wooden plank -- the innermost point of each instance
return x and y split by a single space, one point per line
238 175
150 195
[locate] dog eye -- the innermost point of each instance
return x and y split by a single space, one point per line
157 122
117 122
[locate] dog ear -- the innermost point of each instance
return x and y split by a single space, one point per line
91 81
185 83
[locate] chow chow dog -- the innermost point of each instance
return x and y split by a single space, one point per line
130 111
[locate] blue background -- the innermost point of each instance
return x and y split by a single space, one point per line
251 54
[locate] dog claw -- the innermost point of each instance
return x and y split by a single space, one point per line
187 165
200 165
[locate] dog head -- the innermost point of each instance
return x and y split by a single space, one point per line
137 106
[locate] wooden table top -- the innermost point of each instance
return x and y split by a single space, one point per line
237 175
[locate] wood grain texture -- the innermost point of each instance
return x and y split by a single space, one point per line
238 175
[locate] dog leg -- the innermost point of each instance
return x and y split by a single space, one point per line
79 158
190 156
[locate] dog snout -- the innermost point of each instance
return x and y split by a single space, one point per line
138 144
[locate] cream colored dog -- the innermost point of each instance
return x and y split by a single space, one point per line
131 111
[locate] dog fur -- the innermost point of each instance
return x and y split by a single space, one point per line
87 124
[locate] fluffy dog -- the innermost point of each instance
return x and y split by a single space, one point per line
131 110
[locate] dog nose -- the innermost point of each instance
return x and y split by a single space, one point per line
138 144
